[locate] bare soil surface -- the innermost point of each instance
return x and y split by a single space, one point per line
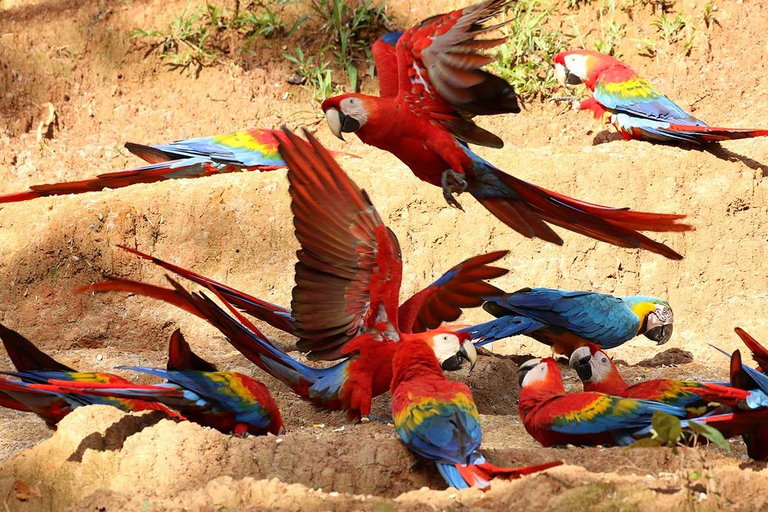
237 229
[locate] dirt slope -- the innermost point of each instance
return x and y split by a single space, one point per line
237 229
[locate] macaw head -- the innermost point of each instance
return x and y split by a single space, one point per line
346 113
656 317
541 374
576 67
451 348
595 369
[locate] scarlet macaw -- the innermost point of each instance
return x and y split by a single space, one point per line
230 402
567 320
346 295
437 418
628 102
598 373
555 418
247 150
35 367
423 117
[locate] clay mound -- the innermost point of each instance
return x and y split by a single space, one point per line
102 459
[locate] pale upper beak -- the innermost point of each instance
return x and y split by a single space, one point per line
526 367
565 77
333 118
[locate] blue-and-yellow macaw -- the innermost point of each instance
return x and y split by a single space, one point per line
627 101
567 320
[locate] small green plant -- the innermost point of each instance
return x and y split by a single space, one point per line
709 16
315 74
525 59
261 19
185 42
671 30
611 31
351 31
668 431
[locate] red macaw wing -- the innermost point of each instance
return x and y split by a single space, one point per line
463 286
385 58
441 75
26 356
759 353
181 357
349 269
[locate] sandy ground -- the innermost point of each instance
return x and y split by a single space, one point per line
237 229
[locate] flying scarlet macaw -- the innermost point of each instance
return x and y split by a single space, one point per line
628 102
437 419
432 85
598 373
230 402
35 367
345 302
247 150
555 418
567 320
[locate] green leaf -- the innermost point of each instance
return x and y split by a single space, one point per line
710 433
352 72
646 443
667 428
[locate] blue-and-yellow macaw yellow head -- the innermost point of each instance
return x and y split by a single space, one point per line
656 317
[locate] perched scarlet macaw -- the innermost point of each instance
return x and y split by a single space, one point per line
438 420
345 302
230 402
629 102
555 418
247 150
567 320
35 367
431 85
598 373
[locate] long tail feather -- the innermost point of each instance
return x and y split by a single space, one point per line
713 133
759 352
25 356
181 357
480 475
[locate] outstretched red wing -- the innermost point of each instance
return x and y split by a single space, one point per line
441 76
463 286
349 270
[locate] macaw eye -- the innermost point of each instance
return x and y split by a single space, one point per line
604 360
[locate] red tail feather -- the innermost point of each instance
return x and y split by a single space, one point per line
759 352
480 475
714 134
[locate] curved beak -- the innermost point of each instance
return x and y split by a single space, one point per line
525 368
660 334
565 77
580 361
334 118
467 351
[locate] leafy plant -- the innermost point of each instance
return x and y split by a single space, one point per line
316 74
668 431
525 59
671 29
611 32
351 31
185 42
708 16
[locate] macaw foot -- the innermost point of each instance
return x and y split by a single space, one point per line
575 103
371 418
453 182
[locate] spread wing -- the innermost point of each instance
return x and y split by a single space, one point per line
463 286
386 63
621 89
594 316
441 76
349 270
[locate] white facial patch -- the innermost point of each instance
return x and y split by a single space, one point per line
601 367
445 345
354 108
577 65
537 374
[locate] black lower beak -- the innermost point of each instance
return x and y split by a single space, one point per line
452 364
583 369
660 334
349 124
571 79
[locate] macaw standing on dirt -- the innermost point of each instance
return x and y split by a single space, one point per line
555 418
35 367
432 85
437 419
567 320
345 302
598 373
230 402
628 102
247 150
